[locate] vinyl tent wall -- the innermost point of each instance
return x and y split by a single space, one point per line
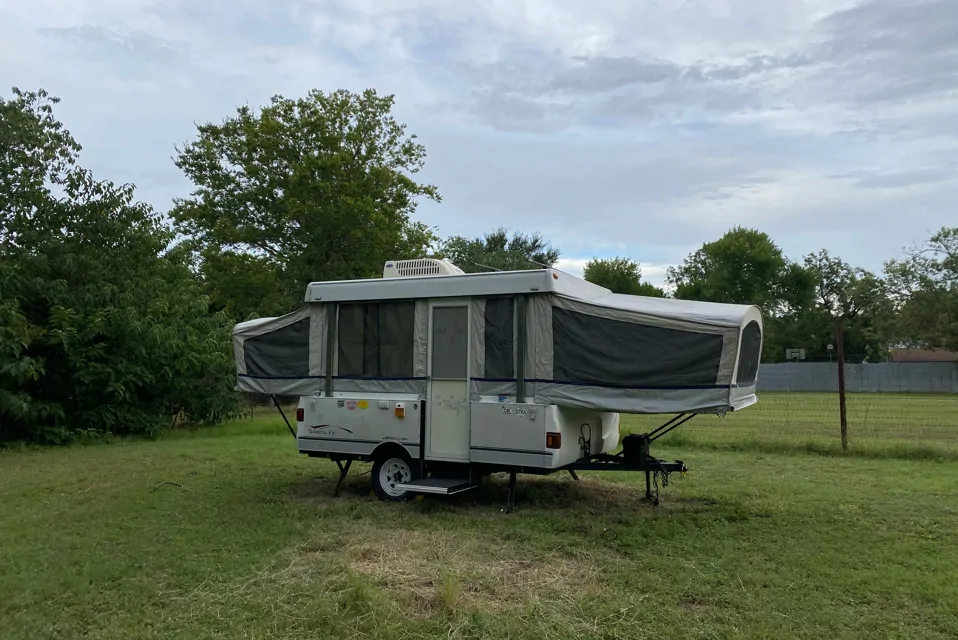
284 355
631 354
619 353
380 347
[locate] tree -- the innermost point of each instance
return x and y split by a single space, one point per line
104 330
924 288
744 266
620 275
852 297
497 251
845 292
316 188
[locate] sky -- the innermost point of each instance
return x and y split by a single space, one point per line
638 128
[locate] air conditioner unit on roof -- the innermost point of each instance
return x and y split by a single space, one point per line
419 267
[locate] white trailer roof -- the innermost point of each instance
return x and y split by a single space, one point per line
529 281
709 313
447 286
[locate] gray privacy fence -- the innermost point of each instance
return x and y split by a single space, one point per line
878 377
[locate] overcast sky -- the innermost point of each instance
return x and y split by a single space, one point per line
640 128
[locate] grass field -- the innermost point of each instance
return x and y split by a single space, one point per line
881 424
252 545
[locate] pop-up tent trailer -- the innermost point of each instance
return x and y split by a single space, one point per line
440 378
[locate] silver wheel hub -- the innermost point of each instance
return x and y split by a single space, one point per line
393 473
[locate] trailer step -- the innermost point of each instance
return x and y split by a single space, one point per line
443 486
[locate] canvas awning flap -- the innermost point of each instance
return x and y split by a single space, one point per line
283 355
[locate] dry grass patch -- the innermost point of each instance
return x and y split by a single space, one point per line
443 571
365 568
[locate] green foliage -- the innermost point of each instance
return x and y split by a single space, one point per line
744 266
316 188
104 331
852 296
17 370
843 291
620 275
925 290
497 251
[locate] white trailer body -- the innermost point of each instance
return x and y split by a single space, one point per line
441 377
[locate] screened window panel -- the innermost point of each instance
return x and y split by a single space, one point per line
350 332
283 353
396 342
499 338
371 341
593 350
450 346
749 353
376 340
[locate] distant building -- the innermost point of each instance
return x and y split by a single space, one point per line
922 355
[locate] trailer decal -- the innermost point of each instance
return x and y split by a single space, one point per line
327 429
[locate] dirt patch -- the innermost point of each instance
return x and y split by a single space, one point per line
694 605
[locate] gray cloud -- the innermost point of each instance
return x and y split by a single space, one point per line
872 54
606 74
619 128
900 179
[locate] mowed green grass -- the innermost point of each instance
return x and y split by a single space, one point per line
888 424
252 545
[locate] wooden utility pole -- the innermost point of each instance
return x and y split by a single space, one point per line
840 348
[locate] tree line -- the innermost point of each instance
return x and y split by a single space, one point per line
115 318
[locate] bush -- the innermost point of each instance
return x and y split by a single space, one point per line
104 329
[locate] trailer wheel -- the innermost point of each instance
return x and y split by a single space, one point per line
389 471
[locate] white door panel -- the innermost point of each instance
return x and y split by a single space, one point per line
448 410
449 422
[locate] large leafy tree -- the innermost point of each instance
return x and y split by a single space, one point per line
620 275
316 188
496 250
924 286
744 266
103 329
851 296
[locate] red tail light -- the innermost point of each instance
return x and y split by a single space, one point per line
300 414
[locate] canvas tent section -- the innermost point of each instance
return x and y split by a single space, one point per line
380 346
633 354
493 368
284 355
548 338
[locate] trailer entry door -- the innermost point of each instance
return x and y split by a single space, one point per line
447 422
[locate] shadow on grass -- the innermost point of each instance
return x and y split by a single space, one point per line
559 494
557 491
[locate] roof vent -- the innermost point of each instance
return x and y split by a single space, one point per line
419 267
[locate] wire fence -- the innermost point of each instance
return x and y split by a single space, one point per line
882 422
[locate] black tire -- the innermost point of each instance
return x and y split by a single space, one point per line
391 469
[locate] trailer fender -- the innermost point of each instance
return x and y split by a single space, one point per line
389 450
